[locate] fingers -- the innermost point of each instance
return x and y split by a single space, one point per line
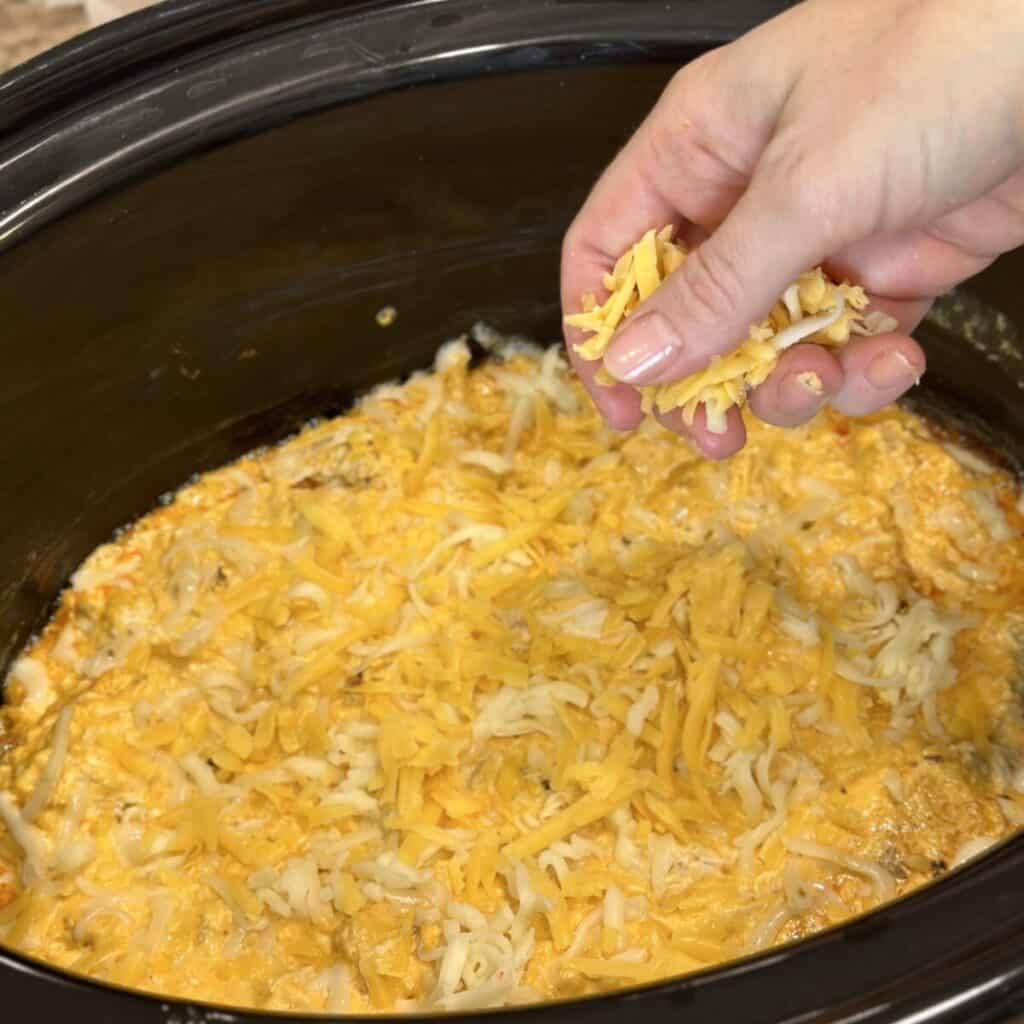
863 377
907 313
686 165
807 376
731 281
711 446
903 272
619 405
877 371
583 267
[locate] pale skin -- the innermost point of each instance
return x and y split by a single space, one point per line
883 139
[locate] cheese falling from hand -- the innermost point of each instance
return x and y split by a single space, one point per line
813 309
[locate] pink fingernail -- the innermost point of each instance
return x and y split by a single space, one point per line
642 349
891 371
801 394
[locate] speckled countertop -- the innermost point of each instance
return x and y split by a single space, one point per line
28 28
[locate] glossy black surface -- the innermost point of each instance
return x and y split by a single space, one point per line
161 315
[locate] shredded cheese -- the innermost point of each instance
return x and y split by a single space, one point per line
812 308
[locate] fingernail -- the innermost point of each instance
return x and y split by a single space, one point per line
891 371
642 349
801 394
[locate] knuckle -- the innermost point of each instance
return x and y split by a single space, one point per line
673 132
693 86
711 286
666 141
812 189
570 242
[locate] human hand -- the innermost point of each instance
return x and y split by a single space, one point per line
881 138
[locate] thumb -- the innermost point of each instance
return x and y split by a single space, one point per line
730 281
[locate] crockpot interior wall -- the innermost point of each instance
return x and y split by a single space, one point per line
174 324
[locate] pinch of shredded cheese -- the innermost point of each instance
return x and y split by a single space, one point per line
813 308
461 700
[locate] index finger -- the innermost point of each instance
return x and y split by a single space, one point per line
605 227
668 173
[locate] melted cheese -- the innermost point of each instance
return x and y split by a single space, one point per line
461 700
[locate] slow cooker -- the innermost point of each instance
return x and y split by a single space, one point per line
201 208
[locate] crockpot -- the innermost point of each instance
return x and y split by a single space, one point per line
202 206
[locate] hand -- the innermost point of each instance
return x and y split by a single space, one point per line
881 138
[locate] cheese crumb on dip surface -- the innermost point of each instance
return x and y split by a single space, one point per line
462 700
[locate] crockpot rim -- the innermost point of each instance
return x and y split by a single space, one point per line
158 28
144 66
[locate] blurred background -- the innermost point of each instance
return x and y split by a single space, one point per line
28 27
